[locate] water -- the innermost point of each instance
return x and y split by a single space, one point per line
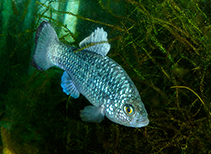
160 44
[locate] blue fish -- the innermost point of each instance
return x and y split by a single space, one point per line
91 73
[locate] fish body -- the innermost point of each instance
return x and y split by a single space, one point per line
91 73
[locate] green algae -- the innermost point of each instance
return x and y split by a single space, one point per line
161 44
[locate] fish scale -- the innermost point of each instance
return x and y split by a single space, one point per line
88 74
91 73
86 63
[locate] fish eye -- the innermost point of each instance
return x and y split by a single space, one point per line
128 109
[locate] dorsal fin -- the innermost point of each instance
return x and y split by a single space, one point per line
97 42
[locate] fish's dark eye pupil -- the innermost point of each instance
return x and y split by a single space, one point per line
128 109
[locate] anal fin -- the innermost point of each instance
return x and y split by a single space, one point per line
68 86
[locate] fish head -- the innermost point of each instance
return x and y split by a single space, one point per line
129 112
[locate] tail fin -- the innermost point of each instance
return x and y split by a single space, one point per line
45 40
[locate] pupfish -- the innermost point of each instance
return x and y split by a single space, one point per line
90 72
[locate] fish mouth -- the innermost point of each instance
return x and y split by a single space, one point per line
145 121
140 122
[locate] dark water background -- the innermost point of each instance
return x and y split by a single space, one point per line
159 43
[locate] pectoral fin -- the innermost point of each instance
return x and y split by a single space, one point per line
92 114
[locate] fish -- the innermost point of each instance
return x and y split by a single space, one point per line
90 72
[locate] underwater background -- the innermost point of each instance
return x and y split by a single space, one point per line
164 46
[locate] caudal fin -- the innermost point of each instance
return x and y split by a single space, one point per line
45 41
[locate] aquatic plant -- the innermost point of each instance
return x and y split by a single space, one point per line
165 48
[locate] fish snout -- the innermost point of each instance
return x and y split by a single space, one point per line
140 122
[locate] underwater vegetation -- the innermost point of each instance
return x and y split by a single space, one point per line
164 46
